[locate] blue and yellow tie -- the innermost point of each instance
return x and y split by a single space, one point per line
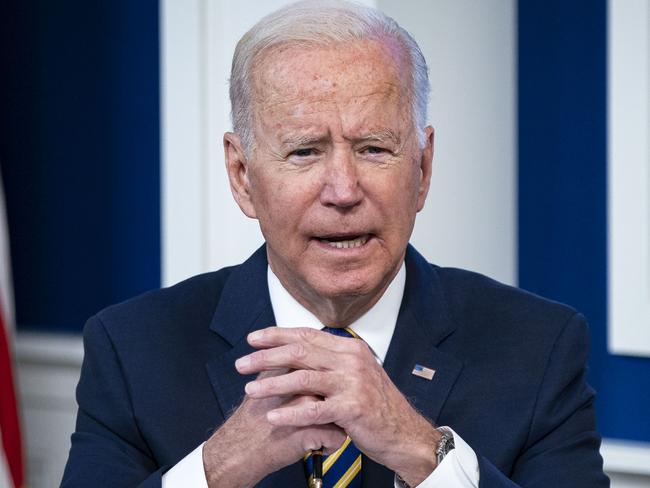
342 468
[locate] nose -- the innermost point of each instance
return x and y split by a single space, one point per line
341 187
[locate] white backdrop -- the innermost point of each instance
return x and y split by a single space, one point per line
628 107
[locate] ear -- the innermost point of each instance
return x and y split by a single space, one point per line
426 163
238 170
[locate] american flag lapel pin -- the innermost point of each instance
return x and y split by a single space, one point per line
423 372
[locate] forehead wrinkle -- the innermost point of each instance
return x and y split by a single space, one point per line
305 98
292 98
294 121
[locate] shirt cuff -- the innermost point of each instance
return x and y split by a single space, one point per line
187 472
459 468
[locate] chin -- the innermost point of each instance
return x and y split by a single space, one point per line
342 285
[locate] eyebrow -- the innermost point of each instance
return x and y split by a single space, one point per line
303 140
381 135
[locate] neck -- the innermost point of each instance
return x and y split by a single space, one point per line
339 310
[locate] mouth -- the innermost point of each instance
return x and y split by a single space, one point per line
345 241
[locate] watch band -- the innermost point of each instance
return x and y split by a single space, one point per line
445 445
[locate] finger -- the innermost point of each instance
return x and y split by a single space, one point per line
271 373
305 414
291 356
279 336
329 437
300 382
335 443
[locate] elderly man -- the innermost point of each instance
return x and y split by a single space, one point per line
422 376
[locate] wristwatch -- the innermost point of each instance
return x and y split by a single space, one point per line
445 445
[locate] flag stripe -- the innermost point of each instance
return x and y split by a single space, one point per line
11 454
5 477
9 427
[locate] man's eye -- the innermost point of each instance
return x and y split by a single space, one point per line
303 153
374 150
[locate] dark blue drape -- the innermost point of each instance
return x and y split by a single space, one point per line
563 189
79 149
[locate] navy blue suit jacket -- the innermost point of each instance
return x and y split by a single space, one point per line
158 377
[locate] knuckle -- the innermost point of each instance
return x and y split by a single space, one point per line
309 442
332 439
297 351
305 379
293 416
314 412
306 334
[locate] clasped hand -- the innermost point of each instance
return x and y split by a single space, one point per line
315 387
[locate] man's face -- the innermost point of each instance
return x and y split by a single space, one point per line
337 174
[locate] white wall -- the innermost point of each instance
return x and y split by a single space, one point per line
47 374
628 163
470 217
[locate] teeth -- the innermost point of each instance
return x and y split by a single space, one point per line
358 242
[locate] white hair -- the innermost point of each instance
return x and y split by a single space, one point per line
321 23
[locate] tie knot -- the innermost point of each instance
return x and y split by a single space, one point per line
344 332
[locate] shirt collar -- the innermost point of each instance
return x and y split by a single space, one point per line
375 327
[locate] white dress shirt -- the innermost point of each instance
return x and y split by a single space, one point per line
458 469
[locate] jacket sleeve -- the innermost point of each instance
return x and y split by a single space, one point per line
107 446
562 449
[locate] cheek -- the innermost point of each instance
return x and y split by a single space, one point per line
398 192
281 201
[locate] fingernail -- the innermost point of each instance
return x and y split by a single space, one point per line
243 362
273 416
255 336
252 387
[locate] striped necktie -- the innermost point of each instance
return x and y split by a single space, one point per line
342 468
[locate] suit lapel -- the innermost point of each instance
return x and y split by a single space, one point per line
244 306
227 383
422 325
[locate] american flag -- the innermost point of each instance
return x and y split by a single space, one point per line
423 372
11 455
